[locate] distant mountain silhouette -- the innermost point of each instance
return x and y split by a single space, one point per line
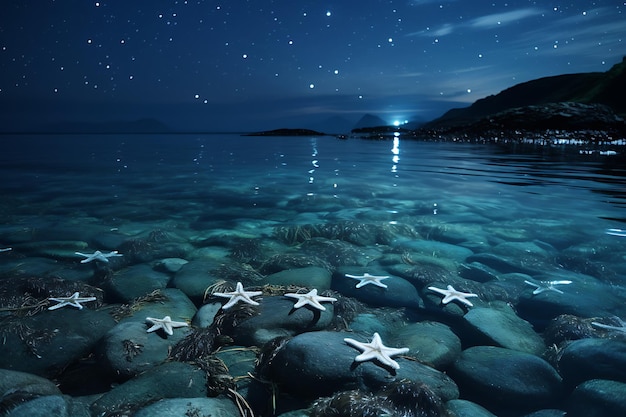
132 126
369 120
608 88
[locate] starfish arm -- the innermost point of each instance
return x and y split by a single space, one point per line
438 290
167 328
154 327
386 360
354 343
231 302
57 306
464 301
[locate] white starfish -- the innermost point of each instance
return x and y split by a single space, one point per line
97 256
369 279
311 298
451 294
238 295
376 350
74 300
620 328
543 286
165 323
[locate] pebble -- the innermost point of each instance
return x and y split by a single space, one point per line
503 378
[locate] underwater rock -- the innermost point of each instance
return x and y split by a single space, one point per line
194 278
283 261
315 364
584 297
45 406
55 249
501 263
277 318
478 272
435 249
464 408
506 379
597 398
587 359
133 282
48 342
339 253
421 270
206 314
218 407
128 349
433 301
501 327
171 265
168 380
19 387
399 292
310 277
432 343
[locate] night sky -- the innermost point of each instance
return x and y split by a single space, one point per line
249 65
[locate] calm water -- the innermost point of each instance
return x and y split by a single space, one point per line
197 187
220 171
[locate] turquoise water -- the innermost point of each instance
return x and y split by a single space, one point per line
544 213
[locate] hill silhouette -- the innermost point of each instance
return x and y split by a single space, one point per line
608 88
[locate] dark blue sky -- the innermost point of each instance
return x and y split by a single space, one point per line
260 64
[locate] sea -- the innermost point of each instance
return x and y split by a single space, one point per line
515 208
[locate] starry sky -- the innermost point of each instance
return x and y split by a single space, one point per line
237 65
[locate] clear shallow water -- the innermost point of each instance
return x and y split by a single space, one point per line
203 187
252 172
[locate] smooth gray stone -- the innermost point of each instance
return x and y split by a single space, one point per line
586 359
26 383
399 291
597 398
168 380
214 407
171 265
46 406
65 336
430 342
436 249
315 364
133 282
277 317
502 327
309 277
194 278
503 378
464 408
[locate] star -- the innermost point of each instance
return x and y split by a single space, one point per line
311 298
369 279
74 300
376 350
543 286
451 294
165 323
238 295
97 256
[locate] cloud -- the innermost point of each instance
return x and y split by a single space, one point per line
576 36
483 22
498 19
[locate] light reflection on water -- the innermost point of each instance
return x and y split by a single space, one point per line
400 176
